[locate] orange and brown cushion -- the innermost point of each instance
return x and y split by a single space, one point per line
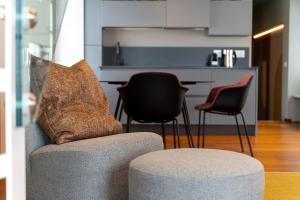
39 68
73 105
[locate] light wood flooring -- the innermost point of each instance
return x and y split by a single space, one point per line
277 145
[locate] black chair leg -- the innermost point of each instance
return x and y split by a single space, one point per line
163 133
239 132
246 132
128 124
199 129
117 107
188 123
174 134
178 133
120 113
186 126
203 131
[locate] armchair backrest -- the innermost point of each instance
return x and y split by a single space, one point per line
34 139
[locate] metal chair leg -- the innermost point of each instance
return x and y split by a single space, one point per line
203 130
246 132
188 123
121 111
163 133
174 134
128 124
199 129
117 107
186 126
239 132
178 133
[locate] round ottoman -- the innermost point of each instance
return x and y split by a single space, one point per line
196 174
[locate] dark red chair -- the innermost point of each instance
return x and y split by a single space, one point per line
226 100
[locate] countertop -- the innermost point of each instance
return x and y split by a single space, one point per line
177 67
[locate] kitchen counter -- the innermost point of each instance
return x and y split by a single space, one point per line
176 67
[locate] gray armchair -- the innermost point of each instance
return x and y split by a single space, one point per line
92 169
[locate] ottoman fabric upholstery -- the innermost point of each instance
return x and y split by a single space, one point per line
195 174
92 169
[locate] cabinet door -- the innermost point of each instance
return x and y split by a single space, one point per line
188 13
231 17
133 13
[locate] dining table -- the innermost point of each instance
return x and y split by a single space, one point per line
119 108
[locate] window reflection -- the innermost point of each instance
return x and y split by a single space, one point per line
2 123
2 23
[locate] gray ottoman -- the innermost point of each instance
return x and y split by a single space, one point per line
196 174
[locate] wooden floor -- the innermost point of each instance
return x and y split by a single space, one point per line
277 145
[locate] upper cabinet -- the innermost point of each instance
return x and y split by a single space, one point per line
230 17
188 13
221 17
133 13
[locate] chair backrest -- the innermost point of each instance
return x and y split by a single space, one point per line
232 99
152 96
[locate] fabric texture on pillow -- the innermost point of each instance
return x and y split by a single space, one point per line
73 105
39 68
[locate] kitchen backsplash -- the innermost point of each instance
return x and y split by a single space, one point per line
166 56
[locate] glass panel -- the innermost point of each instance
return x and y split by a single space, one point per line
2 189
37 31
2 25
2 124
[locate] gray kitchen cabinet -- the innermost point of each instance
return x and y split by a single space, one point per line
188 13
230 17
133 13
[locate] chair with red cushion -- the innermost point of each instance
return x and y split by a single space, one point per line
226 100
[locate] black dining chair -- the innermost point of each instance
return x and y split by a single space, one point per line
153 97
227 100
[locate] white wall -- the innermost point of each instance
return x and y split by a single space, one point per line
1 43
294 65
70 43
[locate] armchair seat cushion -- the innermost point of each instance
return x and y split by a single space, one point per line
88 169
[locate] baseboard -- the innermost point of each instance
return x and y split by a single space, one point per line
210 129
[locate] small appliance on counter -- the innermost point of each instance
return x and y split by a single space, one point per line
213 60
228 58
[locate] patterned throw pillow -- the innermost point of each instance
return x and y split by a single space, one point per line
39 69
73 106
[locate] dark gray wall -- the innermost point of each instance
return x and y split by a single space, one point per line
166 56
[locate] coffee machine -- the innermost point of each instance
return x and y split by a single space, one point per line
229 58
